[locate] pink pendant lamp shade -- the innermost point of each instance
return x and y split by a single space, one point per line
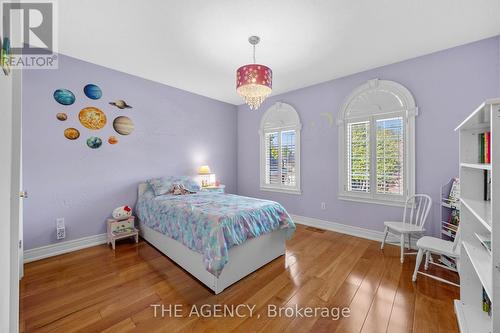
254 82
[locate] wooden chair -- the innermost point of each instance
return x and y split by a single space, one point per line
415 214
428 245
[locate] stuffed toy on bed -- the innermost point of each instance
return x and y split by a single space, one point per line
179 189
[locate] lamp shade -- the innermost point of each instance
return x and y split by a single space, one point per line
254 83
204 170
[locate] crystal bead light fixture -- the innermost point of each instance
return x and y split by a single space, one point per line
254 82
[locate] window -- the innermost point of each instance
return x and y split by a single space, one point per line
358 145
376 138
390 156
280 149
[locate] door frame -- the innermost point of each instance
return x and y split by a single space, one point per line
16 254
10 129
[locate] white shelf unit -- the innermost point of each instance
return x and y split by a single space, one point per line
481 166
479 268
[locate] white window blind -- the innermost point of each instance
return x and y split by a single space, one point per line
390 156
288 173
272 158
280 158
358 156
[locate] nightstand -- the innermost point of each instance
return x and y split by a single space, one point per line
214 189
119 229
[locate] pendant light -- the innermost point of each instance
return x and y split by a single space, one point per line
254 82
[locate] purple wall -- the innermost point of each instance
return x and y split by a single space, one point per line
175 132
447 86
498 65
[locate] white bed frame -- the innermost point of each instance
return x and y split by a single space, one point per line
243 259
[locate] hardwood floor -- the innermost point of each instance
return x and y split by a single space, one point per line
98 290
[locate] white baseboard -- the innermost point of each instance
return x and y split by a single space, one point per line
63 247
347 229
82 243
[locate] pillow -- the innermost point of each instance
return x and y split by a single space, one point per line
191 184
159 186
163 185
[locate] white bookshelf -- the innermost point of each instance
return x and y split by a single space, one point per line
481 166
480 209
479 219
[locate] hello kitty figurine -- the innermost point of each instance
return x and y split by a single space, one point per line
122 213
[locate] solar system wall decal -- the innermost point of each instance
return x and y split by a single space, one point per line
71 133
94 142
64 96
93 118
121 104
92 91
123 125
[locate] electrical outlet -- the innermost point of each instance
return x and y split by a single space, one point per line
323 206
61 233
60 228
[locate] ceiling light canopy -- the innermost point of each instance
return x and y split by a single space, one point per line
254 82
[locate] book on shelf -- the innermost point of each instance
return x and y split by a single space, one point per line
487 150
454 217
484 141
485 241
448 232
486 303
447 261
487 185
449 225
454 196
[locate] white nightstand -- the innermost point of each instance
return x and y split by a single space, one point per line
122 229
214 189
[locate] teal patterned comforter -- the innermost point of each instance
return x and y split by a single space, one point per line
212 223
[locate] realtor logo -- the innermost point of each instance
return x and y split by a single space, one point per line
29 31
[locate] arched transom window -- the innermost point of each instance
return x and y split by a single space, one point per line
280 149
377 143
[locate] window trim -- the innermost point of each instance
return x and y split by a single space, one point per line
408 111
292 123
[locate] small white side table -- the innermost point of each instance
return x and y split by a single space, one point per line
119 229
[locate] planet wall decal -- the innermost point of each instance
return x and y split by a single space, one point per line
61 116
71 133
92 91
64 96
92 118
121 104
123 125
94 142
112 140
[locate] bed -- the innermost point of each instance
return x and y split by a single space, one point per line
218 238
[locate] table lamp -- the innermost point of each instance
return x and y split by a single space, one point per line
206 176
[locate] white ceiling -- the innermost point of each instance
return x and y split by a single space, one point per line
198 45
